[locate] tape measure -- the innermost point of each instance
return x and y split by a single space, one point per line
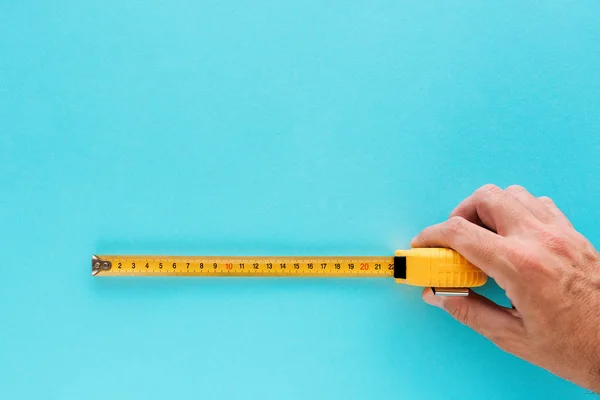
443 269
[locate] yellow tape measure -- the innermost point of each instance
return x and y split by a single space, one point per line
439 268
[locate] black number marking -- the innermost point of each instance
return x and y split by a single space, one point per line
323 265
377 266
255 265
350 266
215 265
310 265
337 266
269 266
201 265
296 266
241 265
391 267
160 265
282 265
187 265
119 265
147 265
174 265
132 265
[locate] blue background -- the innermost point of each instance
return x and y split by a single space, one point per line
272 127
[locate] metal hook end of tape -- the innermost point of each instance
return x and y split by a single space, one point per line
99 265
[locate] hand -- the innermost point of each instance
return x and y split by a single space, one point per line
550 273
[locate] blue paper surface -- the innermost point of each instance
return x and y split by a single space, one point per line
273 127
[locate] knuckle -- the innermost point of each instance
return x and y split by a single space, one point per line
524 260
546 200
456 226
590 254
461 311
489 197
557 243
487 191
516 189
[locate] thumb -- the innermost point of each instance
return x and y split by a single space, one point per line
499 324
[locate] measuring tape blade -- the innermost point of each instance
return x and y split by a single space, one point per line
111 265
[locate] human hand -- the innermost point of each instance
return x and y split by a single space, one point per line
550 273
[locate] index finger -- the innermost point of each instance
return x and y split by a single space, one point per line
478 245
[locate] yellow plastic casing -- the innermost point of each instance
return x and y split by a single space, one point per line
437 267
